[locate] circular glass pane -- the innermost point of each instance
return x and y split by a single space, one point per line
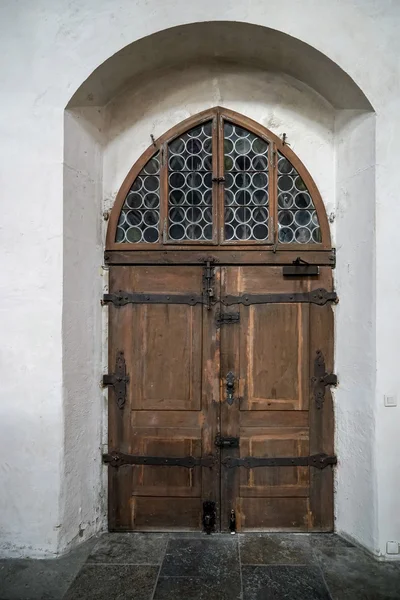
133 235
303 235
302 217
134 200
260 232
177 146
150 217
176 215
134 217
177 232
285 183
259 146
150 235
260 180
259 163
193 232
285 200
260 197
193 197
176 163
177 180
285 218
176 197
285 235
151 200
260 214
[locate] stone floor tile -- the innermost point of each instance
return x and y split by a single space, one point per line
275 549
330 543
113 582
283 582
27 579
195 588
209 557
129 548
351 574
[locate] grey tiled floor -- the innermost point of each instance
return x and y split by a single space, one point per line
198 567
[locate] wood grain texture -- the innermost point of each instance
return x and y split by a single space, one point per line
172 355
178 359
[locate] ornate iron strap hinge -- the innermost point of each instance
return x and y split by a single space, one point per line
118 459
319 461
319 296
122 298
321 379
118 380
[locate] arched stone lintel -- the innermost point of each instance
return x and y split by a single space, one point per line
239 42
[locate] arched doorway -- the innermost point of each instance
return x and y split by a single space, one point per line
220 336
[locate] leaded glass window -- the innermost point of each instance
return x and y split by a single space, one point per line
246 196
223 181
297 217
140 214
190 209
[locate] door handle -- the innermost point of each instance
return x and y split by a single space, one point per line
230 387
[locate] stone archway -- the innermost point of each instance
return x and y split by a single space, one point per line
84 135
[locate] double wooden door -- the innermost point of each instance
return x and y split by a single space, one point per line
218 394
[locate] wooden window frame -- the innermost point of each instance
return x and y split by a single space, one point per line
218 115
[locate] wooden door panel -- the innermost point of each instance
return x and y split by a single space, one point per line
271 514
274 366
274 442
271 350
166 514
166 481
171 354
165 379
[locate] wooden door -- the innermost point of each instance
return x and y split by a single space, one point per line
178 344
272 351
171 409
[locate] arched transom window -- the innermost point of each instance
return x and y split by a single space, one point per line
218 179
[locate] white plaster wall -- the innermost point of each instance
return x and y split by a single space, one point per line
82 494
48 48
355 353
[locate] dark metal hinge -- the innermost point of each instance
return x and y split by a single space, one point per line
319 461
118 380
218 179
321 379
227 318
118 459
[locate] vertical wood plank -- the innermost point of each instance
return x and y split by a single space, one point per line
230 420
210 398
321 423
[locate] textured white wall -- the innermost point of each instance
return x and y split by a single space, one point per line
49 48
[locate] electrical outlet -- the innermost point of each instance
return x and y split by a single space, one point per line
392 547
390 400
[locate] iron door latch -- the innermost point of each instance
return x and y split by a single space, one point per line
118 380
209 516
227 318
321 379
